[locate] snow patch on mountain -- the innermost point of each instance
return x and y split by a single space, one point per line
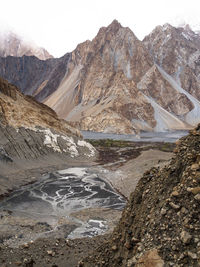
70 146
51 140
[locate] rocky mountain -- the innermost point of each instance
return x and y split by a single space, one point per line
160 224
12 44
33 76
32 136
116 83
177 52
121 87
99 91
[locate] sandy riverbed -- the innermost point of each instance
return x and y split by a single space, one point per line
125 178
56 249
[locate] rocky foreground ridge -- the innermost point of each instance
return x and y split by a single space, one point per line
32 136
160 224
117 83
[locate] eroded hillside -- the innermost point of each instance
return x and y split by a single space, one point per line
32 136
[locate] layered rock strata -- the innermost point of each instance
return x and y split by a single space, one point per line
32 136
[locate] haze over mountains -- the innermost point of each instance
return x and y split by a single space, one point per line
117 83
12 44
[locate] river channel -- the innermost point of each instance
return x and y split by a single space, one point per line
73 203
57 195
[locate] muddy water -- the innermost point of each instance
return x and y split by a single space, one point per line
61 193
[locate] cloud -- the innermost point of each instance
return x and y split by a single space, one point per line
59 25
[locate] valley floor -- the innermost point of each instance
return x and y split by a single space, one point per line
124 164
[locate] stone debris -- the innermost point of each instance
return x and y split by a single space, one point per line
165 219
174 206
150 259
174 194
163 211
26 245
192 255
51 253
197 197
114 248
185 237
195 166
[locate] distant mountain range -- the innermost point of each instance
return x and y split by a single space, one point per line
117 83
12 44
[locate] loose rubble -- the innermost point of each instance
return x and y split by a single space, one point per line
162 214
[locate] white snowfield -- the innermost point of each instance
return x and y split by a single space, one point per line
71 147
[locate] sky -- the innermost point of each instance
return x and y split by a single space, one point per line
60 25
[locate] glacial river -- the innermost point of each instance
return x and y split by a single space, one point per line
59 194
170 136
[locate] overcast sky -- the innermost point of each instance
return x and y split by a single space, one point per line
59 25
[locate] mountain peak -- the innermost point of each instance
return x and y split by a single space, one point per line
115 25
167 26
11 44
187 27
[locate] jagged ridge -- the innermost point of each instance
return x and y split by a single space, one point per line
33 137
116 83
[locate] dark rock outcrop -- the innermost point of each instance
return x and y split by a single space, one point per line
160 225
33 76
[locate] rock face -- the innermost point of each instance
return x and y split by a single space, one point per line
177 52
32 135
115 86
109 77
174 49
13 45
116 83
33 76
160 224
